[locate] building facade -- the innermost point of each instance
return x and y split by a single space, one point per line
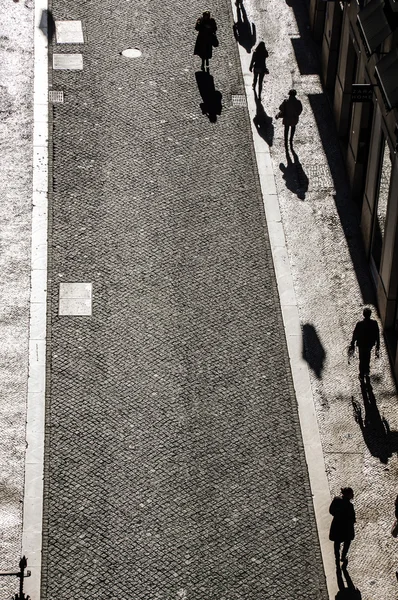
359 40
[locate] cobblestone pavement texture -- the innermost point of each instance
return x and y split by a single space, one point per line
332 284
174 463
16 74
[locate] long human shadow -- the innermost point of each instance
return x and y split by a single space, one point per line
294 175
346 209
263 122
47 24
244 31
211 104
304 46
313 352
349 591
381 442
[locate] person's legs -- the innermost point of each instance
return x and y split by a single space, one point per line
292 132
255 76
364 362
260 83
346 547
337 551
286 134
207 63
203 64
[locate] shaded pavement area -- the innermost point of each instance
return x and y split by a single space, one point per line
174 463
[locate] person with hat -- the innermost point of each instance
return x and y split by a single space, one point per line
290 111
206 27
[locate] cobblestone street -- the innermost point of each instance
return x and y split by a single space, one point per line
200 420
175 466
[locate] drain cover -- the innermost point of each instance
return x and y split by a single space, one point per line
238 100
56 97
132 53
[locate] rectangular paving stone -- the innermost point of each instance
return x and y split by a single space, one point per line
69 32
71 62
75 299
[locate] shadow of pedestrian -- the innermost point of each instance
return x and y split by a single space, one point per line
263 122
47 24
313 352
211 105
346 209
294 175
349 592
381 442
244 32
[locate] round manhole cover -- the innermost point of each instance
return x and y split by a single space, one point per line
132 53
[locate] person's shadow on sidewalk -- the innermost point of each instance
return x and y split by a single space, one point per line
313 352
47 24
244 32
381 442
294 175
211 105
346 593
263 122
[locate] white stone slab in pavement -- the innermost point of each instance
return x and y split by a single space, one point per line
75 299
69 32
68 62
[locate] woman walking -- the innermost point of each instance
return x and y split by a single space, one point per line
259 67
342 527
206 27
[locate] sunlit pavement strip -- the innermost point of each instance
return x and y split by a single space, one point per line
69 32
75 299
301 379
34 458
70 62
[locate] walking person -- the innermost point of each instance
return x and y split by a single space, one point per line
290 111
366 335
342 527
206 27
258 66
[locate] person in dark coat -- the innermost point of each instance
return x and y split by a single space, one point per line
342 527
366 335
290 110
258 66
206 27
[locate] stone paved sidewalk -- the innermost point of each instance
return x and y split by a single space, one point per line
16 75
331 284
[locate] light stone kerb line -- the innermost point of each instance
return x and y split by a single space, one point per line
35 419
